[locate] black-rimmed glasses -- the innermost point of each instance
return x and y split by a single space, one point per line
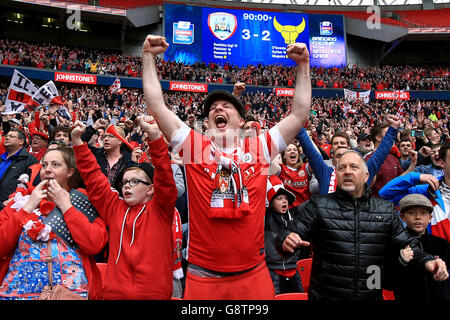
134 182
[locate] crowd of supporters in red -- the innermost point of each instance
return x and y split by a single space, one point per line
57 57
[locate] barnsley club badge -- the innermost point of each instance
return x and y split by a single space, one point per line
224 181
222 24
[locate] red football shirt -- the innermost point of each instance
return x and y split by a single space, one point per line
226 244
296 181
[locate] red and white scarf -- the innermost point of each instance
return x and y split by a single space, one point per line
333 182
228 208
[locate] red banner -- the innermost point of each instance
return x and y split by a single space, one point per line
392 95
75 78
284 92
187 86
18 96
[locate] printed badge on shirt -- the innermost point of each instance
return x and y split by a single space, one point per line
223 195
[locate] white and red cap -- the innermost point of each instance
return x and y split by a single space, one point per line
275 187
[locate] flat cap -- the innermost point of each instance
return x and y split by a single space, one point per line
415 199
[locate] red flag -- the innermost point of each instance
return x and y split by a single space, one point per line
400 111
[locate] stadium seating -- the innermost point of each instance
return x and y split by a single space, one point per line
120 4
125 4
304 268
77 1
291 296
388 295
426 18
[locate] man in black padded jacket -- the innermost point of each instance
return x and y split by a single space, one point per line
350 231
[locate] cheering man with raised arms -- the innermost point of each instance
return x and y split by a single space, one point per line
226 180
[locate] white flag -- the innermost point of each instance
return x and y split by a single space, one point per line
349 95
20 92
115 86
357 95
44 96
364 96
400 111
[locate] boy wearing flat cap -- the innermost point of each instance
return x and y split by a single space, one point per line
412 282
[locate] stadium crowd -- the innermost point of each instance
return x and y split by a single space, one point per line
99 138
71 59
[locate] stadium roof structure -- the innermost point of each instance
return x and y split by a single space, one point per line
340 2
400 19
138 13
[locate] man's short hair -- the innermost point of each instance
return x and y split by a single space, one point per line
435 146
428 131
376 129
21 135
341 134
120 131
250 117
406 135
405 140
366 169
59 143
65 129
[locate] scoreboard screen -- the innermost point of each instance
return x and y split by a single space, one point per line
247 37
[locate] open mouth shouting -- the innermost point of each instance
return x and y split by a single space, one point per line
221 122
127 194
293 157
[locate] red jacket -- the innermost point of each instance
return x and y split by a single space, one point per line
2 147
140 261
91 238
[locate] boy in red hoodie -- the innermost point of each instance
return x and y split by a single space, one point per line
140 261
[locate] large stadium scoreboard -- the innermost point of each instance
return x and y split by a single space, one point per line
247 37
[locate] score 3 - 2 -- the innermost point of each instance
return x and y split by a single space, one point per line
246 35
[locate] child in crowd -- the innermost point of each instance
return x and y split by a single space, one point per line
412 282
283 270
139 214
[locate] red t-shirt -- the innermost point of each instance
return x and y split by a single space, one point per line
226 244
2 146
296 181
390 169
